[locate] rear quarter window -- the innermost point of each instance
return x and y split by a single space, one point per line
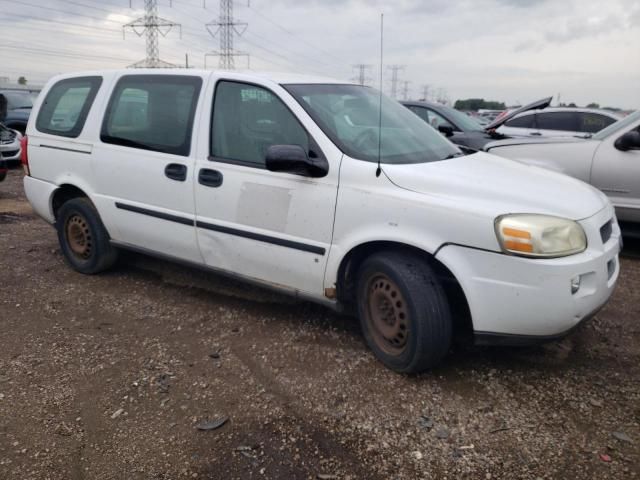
66 106
152 112
525 121
564 121
593 122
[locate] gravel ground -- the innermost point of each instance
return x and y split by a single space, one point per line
109 376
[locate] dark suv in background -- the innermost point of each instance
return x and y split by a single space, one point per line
15 108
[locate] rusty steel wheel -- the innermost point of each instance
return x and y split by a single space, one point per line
403 310
84 241
79 236
387 315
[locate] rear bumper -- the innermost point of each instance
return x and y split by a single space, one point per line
519 301
39 195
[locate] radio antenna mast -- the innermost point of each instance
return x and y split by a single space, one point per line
379 169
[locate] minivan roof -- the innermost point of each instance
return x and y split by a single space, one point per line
276 77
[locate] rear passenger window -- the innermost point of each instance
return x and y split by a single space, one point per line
567 121
66 106
247 120
593 122
152 112
526 121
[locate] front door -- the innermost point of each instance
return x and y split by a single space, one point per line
617 174
274 227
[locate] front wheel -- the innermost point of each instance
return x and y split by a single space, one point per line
83 238
404 312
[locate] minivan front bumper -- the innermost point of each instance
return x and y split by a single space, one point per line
516 301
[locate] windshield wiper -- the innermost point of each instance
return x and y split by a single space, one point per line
454 155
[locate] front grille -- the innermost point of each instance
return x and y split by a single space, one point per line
605 231
9 153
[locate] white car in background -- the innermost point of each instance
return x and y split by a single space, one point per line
557 122
608 160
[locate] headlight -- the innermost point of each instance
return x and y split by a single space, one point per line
533 235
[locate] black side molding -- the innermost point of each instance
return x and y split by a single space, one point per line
304 247
263 238
63 148
156 214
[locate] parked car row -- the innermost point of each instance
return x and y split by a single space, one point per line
533 120
609 160
325 190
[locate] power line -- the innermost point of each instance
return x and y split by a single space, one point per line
302 40
152 26
228 28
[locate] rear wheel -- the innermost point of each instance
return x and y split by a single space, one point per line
83 238
403 310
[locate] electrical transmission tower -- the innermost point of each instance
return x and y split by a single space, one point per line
152 26
394 79
425 93
405 89
227 28
362 78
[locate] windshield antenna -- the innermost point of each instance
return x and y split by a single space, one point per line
379 170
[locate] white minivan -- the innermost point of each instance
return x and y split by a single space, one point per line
290 182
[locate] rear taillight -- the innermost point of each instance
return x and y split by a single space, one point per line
24 154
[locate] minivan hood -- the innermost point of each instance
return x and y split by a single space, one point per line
496 186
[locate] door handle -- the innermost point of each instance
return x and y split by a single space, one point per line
536 133
176 171
209 178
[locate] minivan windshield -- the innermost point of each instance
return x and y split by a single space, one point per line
350 116
617 126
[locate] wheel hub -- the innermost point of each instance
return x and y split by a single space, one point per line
79 236
388 315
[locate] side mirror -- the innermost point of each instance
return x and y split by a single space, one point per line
628 141
447 130
294 159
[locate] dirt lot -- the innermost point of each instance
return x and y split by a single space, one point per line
107 377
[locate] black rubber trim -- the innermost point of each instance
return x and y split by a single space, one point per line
230 231
511 340
65 149
156 214
263 238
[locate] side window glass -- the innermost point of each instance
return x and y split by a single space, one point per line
423 113
525 121
593 122
152 112
558 121
247 120
66 106
436 120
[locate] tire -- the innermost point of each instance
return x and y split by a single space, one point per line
84 240
404 313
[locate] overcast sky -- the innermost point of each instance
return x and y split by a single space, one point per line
514 51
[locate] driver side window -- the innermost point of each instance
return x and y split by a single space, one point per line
436 120
247 120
